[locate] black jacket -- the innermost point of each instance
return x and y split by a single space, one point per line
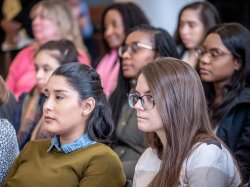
234 130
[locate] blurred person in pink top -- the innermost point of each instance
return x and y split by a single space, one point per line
116 22
52 20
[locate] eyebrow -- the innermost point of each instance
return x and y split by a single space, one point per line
57 91
145 93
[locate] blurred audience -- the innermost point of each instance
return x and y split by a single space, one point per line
194 21
51 20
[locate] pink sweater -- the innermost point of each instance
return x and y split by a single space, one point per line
22 73
108 69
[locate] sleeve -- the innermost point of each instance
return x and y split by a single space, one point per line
16 164
14 73
104 171
8 148
242 150
211 166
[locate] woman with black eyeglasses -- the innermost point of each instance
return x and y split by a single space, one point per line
224 67
142 45
183 150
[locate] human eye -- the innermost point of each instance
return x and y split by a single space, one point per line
47 69
59 97
215 52
148 98
148 101
46 95
36 68
132 99
134 48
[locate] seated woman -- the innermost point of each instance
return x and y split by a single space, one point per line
171 109
224 63
8 141
194 21
29 112
77 112
142 45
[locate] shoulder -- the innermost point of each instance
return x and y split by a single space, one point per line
29 50
101 152
148 161
83 57
213 156
6 129
102 159
36 145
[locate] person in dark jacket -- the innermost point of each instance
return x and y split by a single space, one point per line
224 67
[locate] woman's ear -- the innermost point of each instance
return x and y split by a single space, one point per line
237 64
88 106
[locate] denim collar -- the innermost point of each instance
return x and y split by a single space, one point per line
81 142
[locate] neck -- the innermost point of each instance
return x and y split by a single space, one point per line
192 58
71 137
162 135
218 89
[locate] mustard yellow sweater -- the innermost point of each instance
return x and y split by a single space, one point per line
93 166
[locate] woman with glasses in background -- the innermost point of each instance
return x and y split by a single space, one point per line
224 67
171 109
142 45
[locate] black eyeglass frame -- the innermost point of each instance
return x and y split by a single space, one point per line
131 96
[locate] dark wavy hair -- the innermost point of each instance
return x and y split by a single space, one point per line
163 46
208 15
236 38
131 15
87 83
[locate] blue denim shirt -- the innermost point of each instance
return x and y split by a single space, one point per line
81 142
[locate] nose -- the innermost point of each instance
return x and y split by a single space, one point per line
39 74
35 20
126 54
48 105
108 31
204 59
138 105
184 29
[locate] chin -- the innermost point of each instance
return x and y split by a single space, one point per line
128 75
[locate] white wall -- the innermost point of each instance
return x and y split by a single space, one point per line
161 13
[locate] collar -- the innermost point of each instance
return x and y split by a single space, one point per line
81 142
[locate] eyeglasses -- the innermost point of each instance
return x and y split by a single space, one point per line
133 48
212 53
147 101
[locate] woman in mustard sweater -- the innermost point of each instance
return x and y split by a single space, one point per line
76 111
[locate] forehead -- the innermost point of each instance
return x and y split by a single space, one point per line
139 36
57 82
190 15
112 14
46 57
142 85
213 40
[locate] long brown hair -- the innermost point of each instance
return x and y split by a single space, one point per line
4 92
180 100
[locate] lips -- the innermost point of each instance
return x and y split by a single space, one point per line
140 118
48 119
204 71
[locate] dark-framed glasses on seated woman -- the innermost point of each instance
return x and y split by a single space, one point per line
212 53
147 101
